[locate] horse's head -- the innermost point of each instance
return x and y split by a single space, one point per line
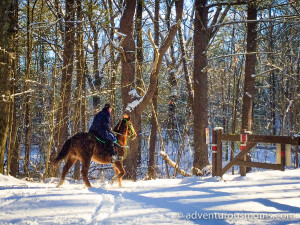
125 127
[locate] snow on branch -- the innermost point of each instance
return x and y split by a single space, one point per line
131 106
159 53
264 72
133 93
174 165
6 98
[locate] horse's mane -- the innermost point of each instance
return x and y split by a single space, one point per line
117 127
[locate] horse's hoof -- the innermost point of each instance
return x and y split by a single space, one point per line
111 182
59 184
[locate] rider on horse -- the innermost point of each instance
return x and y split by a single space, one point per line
101 127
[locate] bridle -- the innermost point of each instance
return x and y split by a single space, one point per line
130 127
125 135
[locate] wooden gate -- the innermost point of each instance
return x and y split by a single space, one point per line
248 141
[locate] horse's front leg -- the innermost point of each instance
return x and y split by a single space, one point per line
113 179
120 172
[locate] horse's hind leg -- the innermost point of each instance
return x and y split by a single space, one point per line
67 166
84 171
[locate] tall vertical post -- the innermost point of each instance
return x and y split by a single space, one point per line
219 150
282 157
243 140
214 152
278 153
296 156
288 155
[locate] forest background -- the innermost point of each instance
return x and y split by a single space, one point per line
230 64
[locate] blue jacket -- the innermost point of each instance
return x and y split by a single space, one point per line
101 125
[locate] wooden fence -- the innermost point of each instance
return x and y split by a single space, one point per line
247 142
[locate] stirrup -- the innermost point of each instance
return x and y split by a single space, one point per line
116 158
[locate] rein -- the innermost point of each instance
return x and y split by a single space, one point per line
125 135
132 131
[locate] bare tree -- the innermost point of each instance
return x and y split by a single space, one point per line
67 72
8 31
128 75
137 107
79 92
201 35
151 167
139 71
250 63
249 90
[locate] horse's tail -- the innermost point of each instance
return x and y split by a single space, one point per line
63 152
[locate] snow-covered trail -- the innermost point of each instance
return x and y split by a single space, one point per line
269 197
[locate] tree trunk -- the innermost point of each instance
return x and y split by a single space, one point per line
128 75
27 114
171 122
114 65
67 71
5 74
151 166
200 86
97 79
185 71
249 90
234 92
14 163
47 171
96 98
297 107
77 127
8 32
272 79
183 139
139 73
131 159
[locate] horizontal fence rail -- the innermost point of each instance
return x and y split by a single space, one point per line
247 142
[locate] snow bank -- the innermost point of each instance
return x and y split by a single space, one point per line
269 197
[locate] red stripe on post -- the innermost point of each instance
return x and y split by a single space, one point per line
243 137
242 147
214 148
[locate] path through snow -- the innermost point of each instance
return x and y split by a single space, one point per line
269 197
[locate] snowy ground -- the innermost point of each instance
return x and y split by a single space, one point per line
269 197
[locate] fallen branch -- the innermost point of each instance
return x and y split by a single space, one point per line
174 165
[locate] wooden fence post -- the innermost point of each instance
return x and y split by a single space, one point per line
214 152
282 157
219 131
296 156
243 140
217 153
288 155
278 153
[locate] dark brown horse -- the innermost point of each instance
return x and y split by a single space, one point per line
86 148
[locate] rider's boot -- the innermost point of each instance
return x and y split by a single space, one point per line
114 156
